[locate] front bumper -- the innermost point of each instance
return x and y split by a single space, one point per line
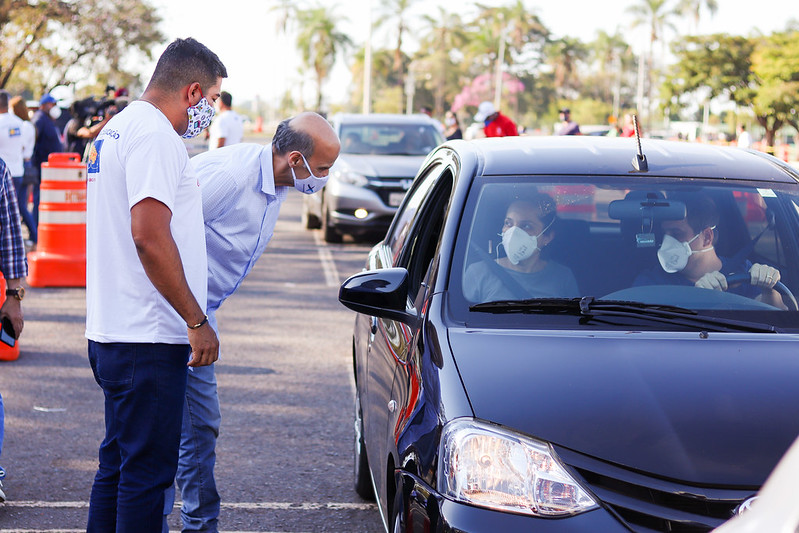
343 200
426 510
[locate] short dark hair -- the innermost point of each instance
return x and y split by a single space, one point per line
287 139
4 97
544 206
226 98
187 61
700 209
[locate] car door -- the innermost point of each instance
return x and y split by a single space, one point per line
390 341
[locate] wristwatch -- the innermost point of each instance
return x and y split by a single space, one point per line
18 293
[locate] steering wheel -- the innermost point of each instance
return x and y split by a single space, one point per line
780 287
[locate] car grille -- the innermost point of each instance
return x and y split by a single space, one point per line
383 187
648 504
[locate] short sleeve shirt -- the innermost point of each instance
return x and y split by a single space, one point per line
138 155
481 284
227 125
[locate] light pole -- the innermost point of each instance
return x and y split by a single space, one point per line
367 68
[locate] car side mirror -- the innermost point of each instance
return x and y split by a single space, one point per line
382 293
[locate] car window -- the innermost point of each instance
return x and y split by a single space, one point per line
609 238
389 139
407 212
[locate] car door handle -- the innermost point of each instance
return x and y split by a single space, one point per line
374 325
392 406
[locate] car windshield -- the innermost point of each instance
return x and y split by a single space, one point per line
725 249
389 139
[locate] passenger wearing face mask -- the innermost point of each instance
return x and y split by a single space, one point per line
687 256
243 187
146 284
527 229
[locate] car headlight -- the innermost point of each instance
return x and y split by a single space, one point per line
486 466
352 178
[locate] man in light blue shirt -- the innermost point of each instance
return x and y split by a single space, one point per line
243 187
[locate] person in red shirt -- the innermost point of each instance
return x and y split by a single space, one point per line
496 124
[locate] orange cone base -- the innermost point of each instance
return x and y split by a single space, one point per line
7 353
56 270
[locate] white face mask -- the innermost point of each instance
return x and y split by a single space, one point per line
519 245
55 112
200 116
673 254
311 184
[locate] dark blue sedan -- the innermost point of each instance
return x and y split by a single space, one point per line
569 334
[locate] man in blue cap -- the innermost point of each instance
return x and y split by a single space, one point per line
48 141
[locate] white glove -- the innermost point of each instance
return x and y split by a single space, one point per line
764 276
712 280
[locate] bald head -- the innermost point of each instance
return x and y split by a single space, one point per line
309 136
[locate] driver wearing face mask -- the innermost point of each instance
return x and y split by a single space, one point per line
522 272
687 256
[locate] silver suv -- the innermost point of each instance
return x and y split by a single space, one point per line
380 155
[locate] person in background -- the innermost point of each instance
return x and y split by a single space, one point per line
12 145
14 265
48 141
495 123
29 176
744 139
452 128
427 110
243 187
146 284
227 128
567 125
628 129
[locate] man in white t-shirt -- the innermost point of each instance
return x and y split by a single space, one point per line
11 143
227 128
146 283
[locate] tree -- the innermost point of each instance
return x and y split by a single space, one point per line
774 64
564 55
759 73
656 15
694 8
446 34
398 11
320 43
62 42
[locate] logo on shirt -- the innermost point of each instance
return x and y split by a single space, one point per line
14 132
93 163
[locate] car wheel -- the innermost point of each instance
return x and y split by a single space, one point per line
308 219
398 521
330 233
363 481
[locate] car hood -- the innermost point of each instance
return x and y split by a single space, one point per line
720 410
380 166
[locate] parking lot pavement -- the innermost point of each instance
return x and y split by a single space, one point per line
285 449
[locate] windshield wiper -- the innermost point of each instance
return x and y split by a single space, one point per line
590 307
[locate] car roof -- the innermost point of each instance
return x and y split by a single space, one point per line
589 155
380 118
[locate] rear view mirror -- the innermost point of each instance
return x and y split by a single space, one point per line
653 207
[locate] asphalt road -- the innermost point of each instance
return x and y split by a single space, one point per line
285 384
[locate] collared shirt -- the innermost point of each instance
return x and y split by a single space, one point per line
12 143
240 206
12 250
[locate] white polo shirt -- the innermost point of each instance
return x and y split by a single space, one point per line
227 124
11 143
138 155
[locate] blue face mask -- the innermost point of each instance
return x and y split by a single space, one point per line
311 184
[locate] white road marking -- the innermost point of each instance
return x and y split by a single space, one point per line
326 258
250 506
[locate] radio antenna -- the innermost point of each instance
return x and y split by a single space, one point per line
639 161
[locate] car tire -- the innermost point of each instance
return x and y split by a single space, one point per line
398 520
308 219
363 480
330 233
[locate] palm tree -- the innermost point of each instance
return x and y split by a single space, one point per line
656 15
693 8
397 10
320 43
564 55
446 34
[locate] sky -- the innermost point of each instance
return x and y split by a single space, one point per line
263 63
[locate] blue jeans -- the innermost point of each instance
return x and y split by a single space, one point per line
144 387
195 475
22 203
